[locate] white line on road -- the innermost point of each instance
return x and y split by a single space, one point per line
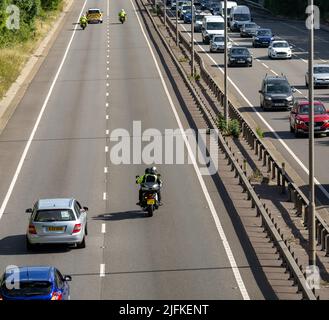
107 117
293 155
107 132
107 94
220 230
103 230
108 9
107 105
267 67
274 72
102 270
104 196
105 169
107 84
106 149
43 108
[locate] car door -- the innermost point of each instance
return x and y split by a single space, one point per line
62 285
81 213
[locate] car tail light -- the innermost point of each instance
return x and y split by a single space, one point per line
56 296
1 298
77 228
32 229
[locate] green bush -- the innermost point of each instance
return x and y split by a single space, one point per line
29 11
230 129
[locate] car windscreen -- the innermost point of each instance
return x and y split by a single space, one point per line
54 215
186 7
27 288
278 87
280 45
264 33
318 109
199 17
215 26
241 17
240 52
321 69
218 39
91 11
250 25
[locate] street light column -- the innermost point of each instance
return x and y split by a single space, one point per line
225 64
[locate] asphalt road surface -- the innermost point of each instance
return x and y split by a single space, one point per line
246 82
91 83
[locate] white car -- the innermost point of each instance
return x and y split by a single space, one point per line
279 49
217 43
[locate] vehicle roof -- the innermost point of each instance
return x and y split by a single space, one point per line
94 9
306 102
270 77
239 48
34 273
214 18
59 203
321 65
277 40
262 29
238 9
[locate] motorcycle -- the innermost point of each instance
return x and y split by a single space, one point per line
83 25
150 201
122 19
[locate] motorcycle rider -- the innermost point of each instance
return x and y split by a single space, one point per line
83 20
122 14
140 180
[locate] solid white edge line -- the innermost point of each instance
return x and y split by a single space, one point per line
293 155
104 195
106 149
36 125
220 230
103 230
105 169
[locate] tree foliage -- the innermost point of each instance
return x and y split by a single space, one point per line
296 8
28 11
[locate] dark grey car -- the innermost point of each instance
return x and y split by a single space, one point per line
239 56
276 93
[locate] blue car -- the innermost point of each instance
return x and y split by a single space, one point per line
188 17
34 283
262 38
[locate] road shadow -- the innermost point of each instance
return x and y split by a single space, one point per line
124 215
111 23
16 245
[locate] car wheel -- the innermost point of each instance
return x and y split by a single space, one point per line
29 245
250 65
86 230
82 244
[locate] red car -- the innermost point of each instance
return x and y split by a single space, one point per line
299 118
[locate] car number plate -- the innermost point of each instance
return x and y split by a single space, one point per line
55 228
279 104
150 201
317 128
241 61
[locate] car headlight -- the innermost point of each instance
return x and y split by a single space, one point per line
249 59
268 98
232 59
256 38
315 79
299 121
290 98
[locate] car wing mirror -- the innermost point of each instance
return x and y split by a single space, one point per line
260 91
293 89
86 208
29 210
67 278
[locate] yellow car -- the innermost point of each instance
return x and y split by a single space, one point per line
94 15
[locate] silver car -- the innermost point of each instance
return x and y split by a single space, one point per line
57 221
217 43
249 30
321 75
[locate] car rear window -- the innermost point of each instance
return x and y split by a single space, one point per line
239 51
54 215
280 45
28 288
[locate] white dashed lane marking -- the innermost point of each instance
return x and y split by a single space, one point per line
102 270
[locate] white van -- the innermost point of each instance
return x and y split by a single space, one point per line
239 15
212 25
230 5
